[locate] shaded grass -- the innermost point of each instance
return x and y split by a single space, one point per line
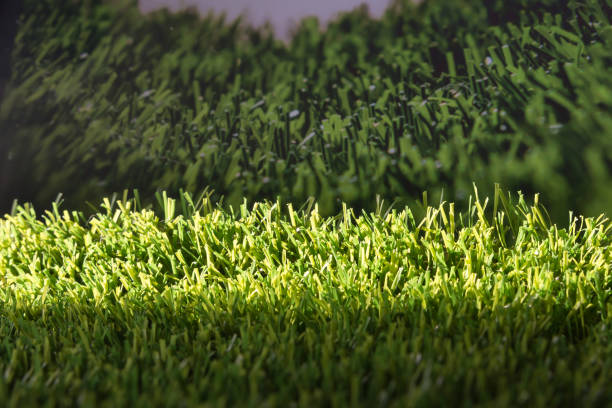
433 98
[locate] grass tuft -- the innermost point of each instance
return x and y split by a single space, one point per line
286 306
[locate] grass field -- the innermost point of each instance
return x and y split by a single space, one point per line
430 98
404 213
274 306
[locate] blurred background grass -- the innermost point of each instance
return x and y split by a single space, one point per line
430 98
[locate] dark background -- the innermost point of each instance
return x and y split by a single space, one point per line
9 12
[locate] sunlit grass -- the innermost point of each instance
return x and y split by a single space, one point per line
274 305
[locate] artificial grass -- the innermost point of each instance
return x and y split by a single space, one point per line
276 307
433 98
260 305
